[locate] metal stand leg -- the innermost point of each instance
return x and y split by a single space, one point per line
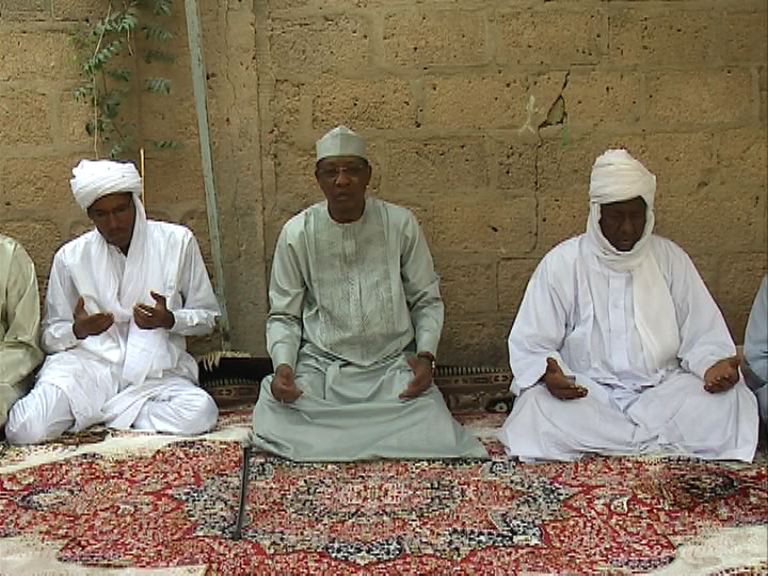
238 531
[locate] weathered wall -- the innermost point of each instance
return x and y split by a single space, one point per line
483 116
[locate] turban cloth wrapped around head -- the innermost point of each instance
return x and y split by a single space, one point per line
93 179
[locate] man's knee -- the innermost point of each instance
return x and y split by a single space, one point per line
199 412
21 429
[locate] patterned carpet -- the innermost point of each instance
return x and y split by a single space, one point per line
118 503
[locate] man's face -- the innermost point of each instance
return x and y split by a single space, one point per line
114 216
343 180
623 222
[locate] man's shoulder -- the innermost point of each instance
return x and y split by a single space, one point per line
393 211
666 249
565 251
168 229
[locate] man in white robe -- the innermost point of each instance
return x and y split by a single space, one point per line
354 324
19 323
121 300
618 347
756 349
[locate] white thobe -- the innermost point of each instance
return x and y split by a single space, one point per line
756 348
19 323
348 302
83 382
580 312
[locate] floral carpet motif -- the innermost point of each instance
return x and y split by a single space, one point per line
175 506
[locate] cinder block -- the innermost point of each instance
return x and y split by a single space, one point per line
515 160
602 97
473 342
40 238
744 37
739 277
314 45
73 117
717 219
381 103
699 98
556 37
476 101
44 189
468 286
286 108
567 163
742 161
24 117
43 55
513 278
88 10
438 166
562 214
169 117
439 37
19 10
681 162
172 177
486 223
644 36
197 221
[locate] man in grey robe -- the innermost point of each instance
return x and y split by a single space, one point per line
19 324
756 350
353 329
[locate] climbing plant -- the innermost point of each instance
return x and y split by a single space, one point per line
108 53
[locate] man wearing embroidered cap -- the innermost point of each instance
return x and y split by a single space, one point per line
618 347
354 323
121 300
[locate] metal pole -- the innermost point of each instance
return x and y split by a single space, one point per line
194 33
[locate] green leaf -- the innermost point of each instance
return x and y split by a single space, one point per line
155 32
162 7
158 56
165 144
158 85
122 74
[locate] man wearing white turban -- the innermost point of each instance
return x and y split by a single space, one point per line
354 323
19 323
115 358
618 347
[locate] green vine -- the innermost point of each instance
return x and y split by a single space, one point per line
108 56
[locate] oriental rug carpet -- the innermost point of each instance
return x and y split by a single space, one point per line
131 503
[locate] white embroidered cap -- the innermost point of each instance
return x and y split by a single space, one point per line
340 141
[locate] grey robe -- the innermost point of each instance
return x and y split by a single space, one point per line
348 303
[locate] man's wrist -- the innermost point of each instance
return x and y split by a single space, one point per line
429 358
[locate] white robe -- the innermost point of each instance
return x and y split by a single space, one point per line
91 374
580 312
348 302
19 323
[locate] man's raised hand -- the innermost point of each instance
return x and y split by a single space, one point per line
150 317
422 378
89 324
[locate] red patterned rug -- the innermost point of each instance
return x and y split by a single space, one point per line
175 505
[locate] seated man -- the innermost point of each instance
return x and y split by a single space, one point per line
19 323
756 349
116 358
353 328
618 347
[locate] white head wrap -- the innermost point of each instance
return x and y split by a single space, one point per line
94 179
340 141
617 176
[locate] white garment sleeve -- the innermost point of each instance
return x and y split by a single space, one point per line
286 299
60 302
19 350
540 326
199 305
422 287
756 338
704 335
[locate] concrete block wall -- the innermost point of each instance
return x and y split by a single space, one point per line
483 116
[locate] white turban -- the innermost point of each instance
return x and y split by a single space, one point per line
94 179
617 177
340 141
